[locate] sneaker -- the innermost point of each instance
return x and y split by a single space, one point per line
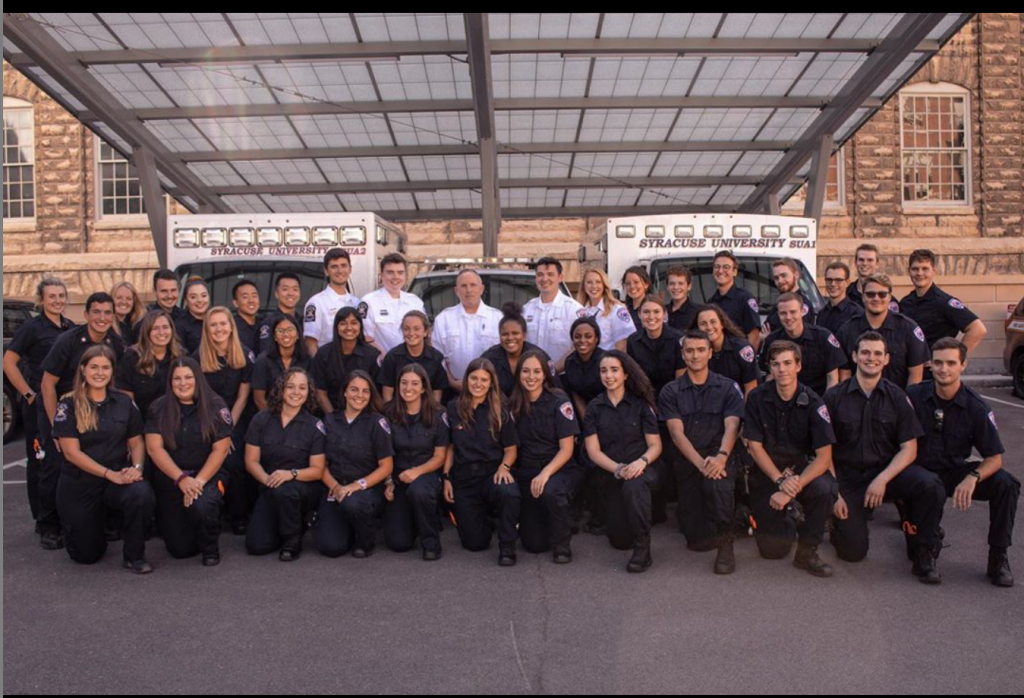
140 566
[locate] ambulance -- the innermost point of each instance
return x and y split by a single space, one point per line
224 248
661 242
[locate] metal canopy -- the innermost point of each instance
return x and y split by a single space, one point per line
435 116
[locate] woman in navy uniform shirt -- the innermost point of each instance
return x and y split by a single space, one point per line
197 302
547 474
23 361
289 352
505 355
284 452
142 371
636 282
621 432
99 428
655 347
227 365
419 434
359 459
128 311
478 466
415 349
348 351
188 434
731 353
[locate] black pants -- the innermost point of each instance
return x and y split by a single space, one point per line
546 522
30 422
630 504
414 511
352 522
236 480
705 509
280 516
477 497
776 530
83 501
190 530
48 474
1001 491
921 490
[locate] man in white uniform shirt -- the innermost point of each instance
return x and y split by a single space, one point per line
384 309
465 331
550 316
320 310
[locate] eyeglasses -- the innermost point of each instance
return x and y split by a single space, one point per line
876 294
285 331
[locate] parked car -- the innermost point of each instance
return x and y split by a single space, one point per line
16 313
1013 351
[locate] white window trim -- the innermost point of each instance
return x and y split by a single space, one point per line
111 221
24 223
794 204
941 89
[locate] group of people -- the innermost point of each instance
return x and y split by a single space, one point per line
348 416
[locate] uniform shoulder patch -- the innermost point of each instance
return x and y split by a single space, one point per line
747 354
955 303
833 341
380 359
566 409
551 369
823 413
992 418
225 415
752 302
320 427
806 309
265 330
310 314
739 390
894 306
363 309
62 412
384 425
582 312
444 418
919 333
252 356
623 314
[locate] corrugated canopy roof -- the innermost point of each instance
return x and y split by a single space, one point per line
444 115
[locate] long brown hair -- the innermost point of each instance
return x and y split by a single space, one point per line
275 398
86 415
637 382
465 402
144 346
376 404
208 405
727 324
520 399
235 357
396 411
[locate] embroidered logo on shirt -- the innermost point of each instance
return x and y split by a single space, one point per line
624 315
310 315
62 413
252 356
833 341
992 418
738 388
363 310
752 302
225 414
582 312
265 330
823 413
444 418
566 410
747 354
384 425
919 333
320 427
806 309
954 303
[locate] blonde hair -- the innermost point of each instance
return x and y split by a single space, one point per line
208 351
609 300
138 309
86 416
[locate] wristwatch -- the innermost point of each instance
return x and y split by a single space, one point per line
29 395
295 474
645 459
362 483
976 474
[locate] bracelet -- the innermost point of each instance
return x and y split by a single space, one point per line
507 467
105 471
180 478
723 453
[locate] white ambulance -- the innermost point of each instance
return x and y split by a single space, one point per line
660 242
224 248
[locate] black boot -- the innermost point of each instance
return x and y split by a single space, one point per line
641 559
924 566
725 561
507 554
807 559
999 568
